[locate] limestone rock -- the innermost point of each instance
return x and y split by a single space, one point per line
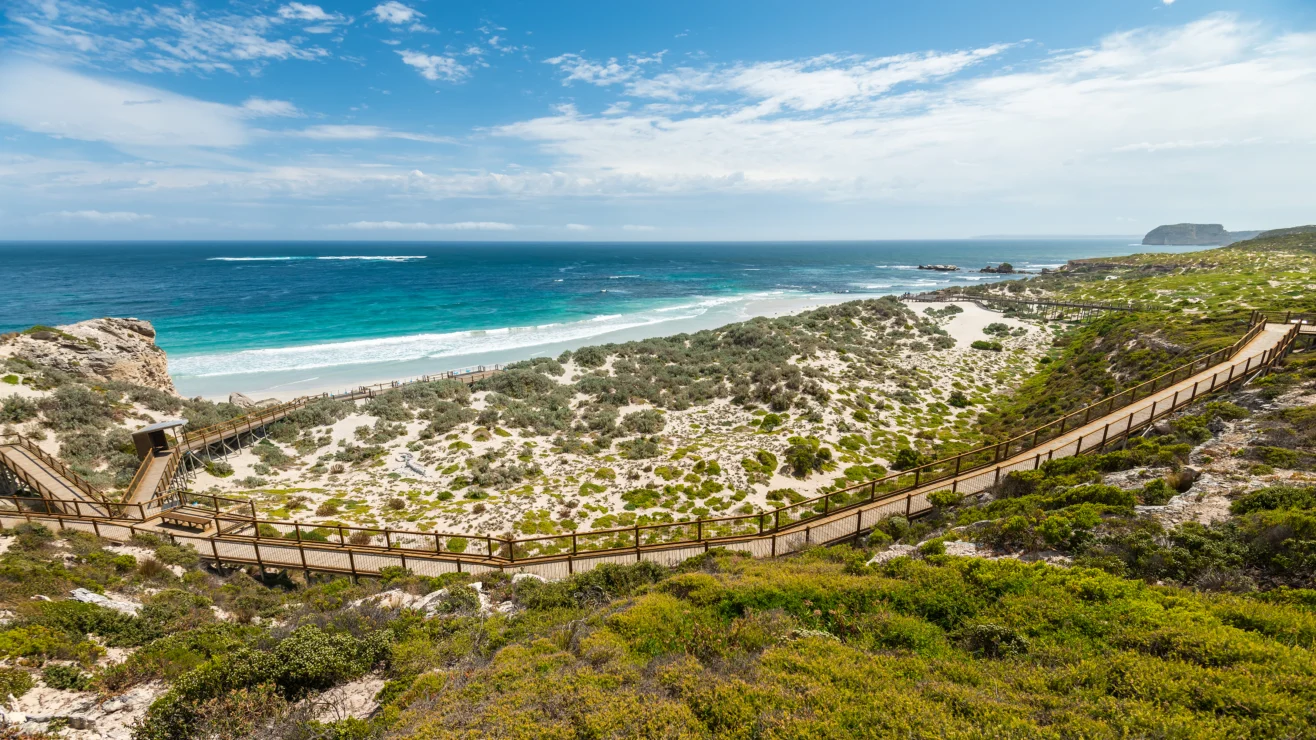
99 349
243 401
965 549
891 553
91 597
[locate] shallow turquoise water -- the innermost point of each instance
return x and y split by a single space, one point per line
275 310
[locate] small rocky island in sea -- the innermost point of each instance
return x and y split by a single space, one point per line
939 268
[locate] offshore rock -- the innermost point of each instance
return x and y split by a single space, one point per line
99 349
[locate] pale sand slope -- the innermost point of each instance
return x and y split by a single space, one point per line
967 327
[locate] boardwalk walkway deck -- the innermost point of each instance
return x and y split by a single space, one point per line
239 537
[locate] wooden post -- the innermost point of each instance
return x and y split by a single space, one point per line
351 562
259 563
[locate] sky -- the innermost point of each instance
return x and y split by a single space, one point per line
680 120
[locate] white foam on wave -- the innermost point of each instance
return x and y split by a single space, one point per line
383 258
621 277
362 257
254 259
402 349
438 345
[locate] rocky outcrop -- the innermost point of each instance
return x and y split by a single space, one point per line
1204 235
99 349
243 401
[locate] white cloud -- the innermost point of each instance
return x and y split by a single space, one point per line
262 107
433 67
421 226
120 113
101 217
638 227
579 69
303 12
578 227
395 12
923 128
166 38
362 133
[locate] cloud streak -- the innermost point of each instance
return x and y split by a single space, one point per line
421 226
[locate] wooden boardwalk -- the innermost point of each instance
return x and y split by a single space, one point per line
235 535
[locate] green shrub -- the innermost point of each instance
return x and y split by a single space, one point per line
1277 457
1275 497
907 458
992 641
945 499
1156 493
878 538
982 344
219 468
807 455
15 682
16 410
66 678
309 659
648 421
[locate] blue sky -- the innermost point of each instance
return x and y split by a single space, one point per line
414 119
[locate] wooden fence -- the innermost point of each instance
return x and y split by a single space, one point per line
243 538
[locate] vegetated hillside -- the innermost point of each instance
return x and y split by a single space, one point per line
1204 300
1162 589
1287 232
733 420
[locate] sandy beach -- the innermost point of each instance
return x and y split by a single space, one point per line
287 385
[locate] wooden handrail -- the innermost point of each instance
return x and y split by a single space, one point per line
503 552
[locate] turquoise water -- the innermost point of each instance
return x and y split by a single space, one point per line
256 316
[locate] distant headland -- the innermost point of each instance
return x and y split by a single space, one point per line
1195 235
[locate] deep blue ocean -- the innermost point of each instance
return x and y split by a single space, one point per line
264 315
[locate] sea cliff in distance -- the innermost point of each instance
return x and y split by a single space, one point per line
1204 235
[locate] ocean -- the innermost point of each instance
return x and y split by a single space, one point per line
282 318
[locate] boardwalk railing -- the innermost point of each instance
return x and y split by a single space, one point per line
64 471
260 417
827 518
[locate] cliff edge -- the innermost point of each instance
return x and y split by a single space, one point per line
1204 235
99 349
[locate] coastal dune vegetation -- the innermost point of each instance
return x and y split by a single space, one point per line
1161 588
